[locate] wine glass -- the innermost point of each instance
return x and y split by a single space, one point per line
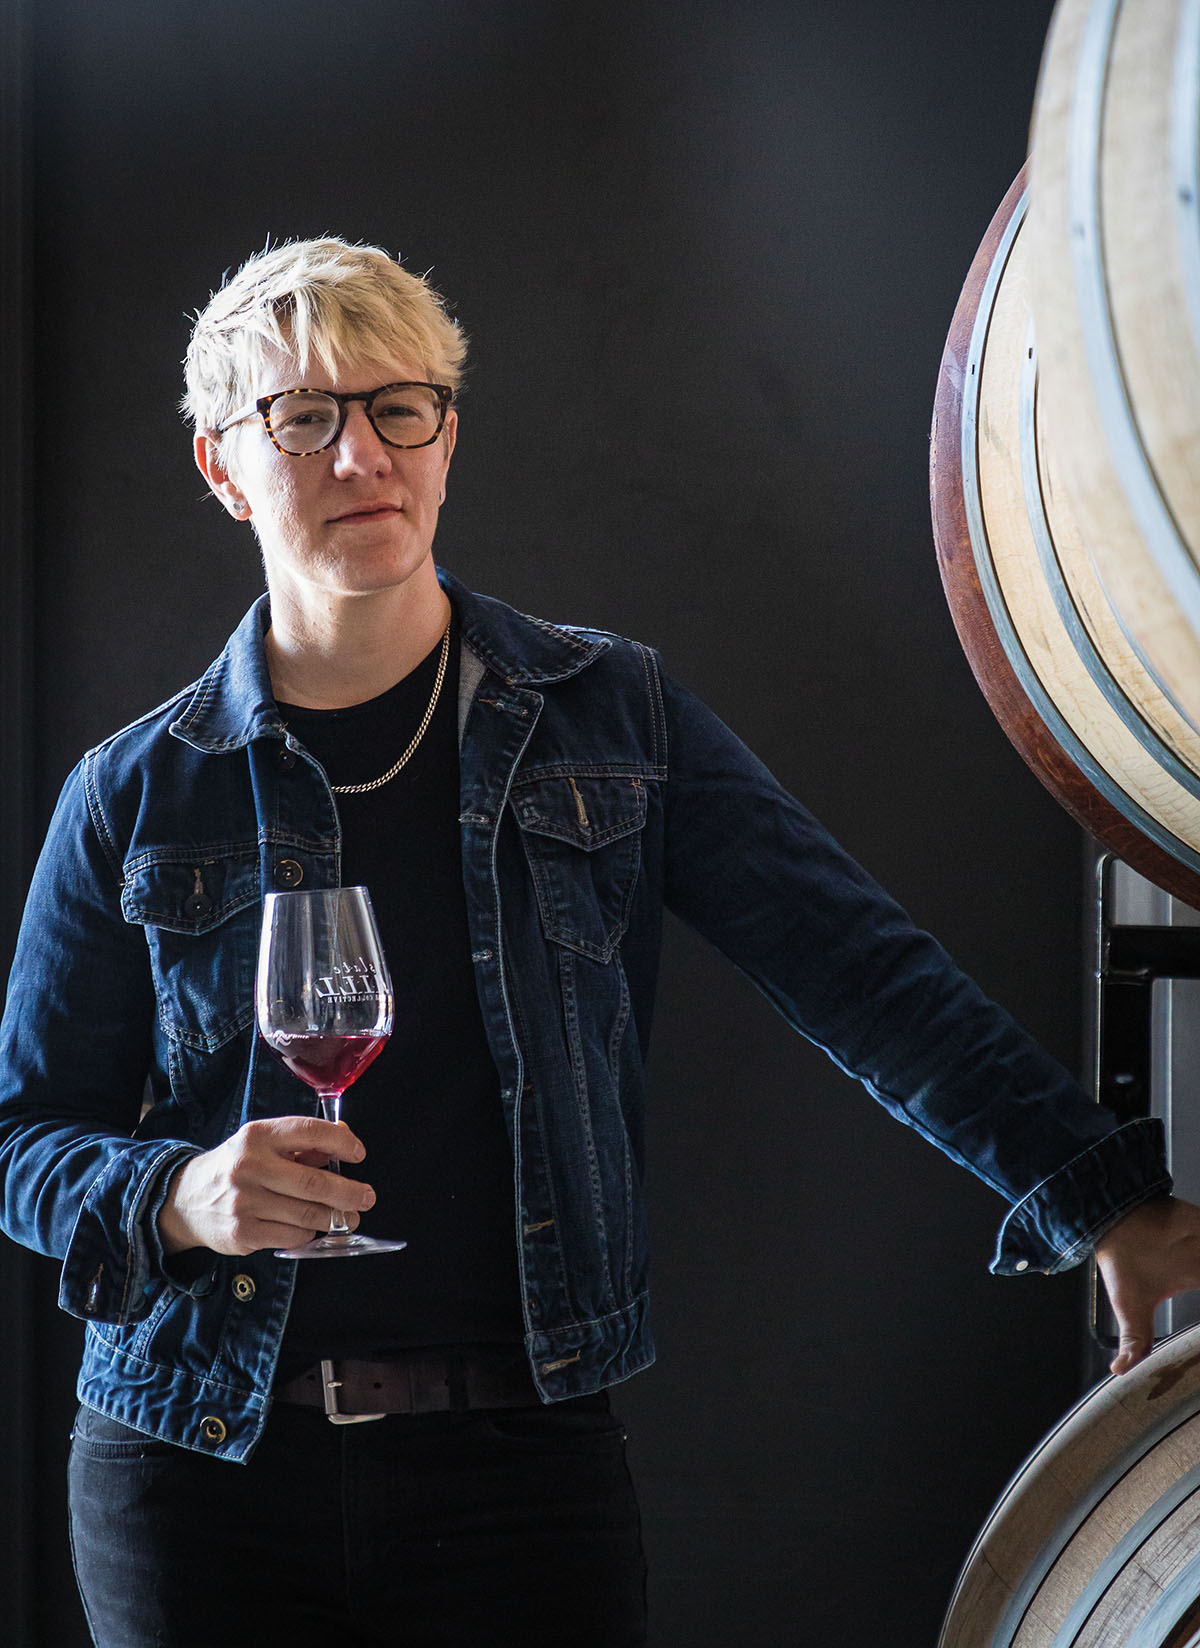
324 1003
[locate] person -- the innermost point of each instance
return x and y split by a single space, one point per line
523 799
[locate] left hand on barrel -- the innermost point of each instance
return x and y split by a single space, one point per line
1152 1254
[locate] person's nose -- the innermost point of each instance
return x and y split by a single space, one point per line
358 450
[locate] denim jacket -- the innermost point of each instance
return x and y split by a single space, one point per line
595 791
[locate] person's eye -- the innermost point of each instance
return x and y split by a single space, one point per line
294 416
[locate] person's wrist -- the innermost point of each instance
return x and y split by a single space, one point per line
1153 1211
174 1231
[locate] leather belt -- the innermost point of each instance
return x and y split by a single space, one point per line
352 1391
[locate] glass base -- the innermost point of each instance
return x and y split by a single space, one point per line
340 1247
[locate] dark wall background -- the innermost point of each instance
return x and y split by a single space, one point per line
708 254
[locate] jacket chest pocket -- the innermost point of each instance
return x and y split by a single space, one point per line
583 841
201 918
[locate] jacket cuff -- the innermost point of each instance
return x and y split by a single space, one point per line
1056 1224
195 1270
112 1268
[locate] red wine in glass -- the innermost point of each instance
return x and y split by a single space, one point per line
328 1063
323 999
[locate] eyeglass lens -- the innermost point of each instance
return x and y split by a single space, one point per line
306 420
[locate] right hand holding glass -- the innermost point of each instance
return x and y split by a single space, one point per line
265 1186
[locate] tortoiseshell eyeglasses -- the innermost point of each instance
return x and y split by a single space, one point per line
302 422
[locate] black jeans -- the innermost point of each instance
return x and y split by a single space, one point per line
443 1530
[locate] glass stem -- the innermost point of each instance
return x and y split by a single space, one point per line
331 1109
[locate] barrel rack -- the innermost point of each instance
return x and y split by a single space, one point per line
1130 959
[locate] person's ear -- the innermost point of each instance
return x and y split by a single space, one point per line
207 448
448 437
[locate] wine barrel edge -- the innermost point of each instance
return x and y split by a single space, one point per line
989 663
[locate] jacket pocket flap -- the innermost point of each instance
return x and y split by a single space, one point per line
585 811
190 894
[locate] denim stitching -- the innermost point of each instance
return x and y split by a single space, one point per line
198 1041
144 915
205 686
540 823
561 634
574 1327
254 1397
554 1221
615 1039
587 769
99 822
650 690
566 978
510 1026
215 852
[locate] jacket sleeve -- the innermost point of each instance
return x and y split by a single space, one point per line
753 871
75 1049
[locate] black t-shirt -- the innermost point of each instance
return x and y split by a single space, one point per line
428 1110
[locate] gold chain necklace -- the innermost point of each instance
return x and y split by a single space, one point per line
361 789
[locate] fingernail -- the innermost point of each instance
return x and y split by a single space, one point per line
368 1196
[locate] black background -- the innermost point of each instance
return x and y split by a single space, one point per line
707 255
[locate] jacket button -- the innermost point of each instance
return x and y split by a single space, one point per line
243 1287
212 1429
288 873
286 758
197 906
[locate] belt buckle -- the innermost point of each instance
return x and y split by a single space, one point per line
330 1386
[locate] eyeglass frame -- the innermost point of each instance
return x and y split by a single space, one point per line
262 408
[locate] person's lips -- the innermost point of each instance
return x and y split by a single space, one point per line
374 509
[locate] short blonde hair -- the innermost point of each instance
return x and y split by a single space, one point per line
325 302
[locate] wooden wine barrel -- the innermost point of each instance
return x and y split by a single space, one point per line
1065 478
1096 1541
1049 650
1115 258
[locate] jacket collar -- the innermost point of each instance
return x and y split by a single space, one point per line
232 703
525 651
